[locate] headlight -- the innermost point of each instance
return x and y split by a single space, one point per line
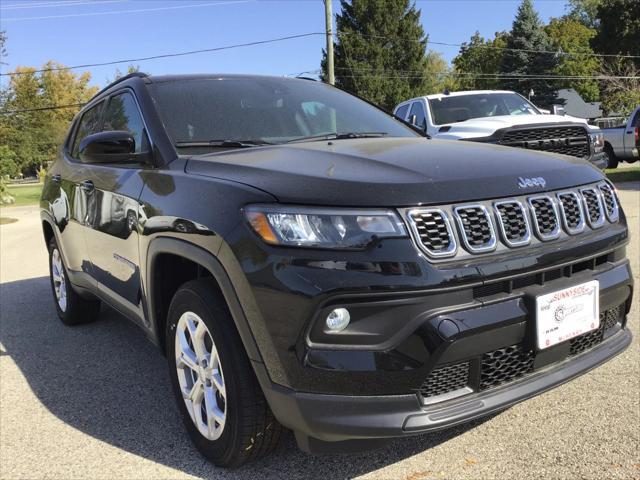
322 227
597 140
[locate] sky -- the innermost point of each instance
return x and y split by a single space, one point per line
76 32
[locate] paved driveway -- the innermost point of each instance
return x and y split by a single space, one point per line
94 402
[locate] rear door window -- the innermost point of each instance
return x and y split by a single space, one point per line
89 124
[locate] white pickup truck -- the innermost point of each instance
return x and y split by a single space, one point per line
623 142
503 118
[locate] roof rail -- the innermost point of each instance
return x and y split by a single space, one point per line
121 79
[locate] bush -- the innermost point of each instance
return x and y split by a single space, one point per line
5 198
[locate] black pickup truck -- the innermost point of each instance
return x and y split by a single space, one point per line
306 261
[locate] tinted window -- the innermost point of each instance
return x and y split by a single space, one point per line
418 110
266 109
122 114
89 123
402 111
463 107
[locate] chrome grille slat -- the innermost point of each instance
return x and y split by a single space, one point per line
433 231
513 222
610 201
572 140
571 212
476 228
593 207
545 217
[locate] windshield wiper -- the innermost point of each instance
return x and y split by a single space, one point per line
338 136
223 143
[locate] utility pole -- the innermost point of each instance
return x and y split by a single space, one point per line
329 27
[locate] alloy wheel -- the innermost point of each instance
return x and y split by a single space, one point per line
59 279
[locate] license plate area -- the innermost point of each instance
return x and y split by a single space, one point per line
567 313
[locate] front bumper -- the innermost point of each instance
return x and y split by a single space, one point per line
351 421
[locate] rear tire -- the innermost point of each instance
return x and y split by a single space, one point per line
221 403
612 160
71 308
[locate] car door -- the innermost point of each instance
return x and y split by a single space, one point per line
417 115
113 211
68 201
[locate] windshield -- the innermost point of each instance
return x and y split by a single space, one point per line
219 111
464 107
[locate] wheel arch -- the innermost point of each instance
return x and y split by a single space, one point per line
164 247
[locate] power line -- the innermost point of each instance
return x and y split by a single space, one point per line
71 3
168 55
528 50
114 12
40 109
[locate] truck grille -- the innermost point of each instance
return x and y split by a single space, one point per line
572 141
548 216
506 364
476 228
545 217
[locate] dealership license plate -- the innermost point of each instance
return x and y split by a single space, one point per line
567 313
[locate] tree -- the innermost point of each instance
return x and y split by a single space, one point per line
35 136
620 95
527 54
379 50
437 75
571 36
478 60
119 74
585 12
619 28
3 50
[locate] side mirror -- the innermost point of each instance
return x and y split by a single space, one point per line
111 147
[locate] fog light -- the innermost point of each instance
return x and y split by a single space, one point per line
338 319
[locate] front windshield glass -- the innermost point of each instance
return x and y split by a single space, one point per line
269 110
464 107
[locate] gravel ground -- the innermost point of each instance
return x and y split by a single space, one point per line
94 402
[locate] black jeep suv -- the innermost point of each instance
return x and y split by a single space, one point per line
307 261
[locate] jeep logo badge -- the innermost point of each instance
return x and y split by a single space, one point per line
531 182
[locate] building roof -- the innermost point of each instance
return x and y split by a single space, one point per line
575 106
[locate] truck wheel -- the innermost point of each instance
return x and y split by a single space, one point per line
612 160
71 307
218 395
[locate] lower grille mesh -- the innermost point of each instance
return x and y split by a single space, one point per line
446 379
504 365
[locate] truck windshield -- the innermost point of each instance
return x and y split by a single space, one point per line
222 112
459 108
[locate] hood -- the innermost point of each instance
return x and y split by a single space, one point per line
391 172
487 126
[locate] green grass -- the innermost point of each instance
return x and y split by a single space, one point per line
24 195
623 174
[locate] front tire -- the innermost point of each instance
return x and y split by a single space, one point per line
71 308
218 395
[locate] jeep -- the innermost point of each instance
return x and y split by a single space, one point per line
307 261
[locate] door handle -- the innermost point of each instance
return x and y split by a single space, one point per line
87 186
56 178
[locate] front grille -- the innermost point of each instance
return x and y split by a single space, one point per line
571 212
476 228
433 231
446 379
572 141
545 217
513 223
610 202
593 207
504 365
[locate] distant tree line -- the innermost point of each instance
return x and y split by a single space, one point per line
382 54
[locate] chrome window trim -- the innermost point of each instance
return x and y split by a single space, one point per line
491 245
453 247
615 216
582 224
519 243
545 237
596 191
